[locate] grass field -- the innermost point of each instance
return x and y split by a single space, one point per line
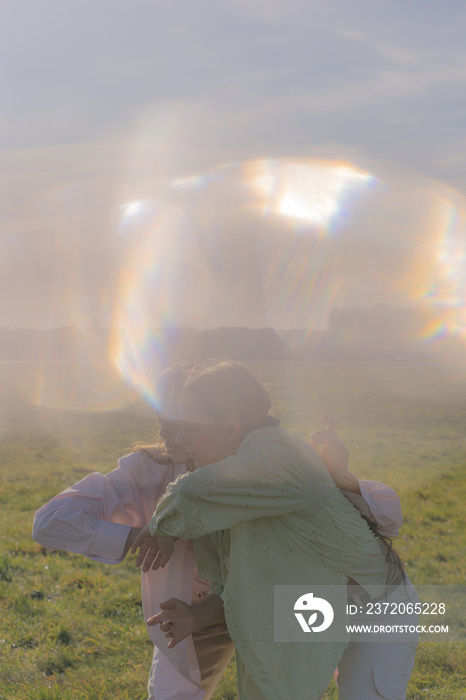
72 628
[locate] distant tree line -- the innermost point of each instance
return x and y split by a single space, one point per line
353 334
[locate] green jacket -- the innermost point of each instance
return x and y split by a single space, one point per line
271 515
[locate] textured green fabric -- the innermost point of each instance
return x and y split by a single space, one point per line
271 515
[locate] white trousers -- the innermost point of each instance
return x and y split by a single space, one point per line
214 650
166 683
375 670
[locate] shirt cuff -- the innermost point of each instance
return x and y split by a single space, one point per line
109 543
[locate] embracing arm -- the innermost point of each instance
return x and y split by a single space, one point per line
335 456
261 480
377 502
380 504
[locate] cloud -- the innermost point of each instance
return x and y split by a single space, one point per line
72 70
106 101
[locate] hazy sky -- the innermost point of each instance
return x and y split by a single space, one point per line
342 122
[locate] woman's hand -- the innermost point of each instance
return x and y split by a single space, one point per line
176 620
154 550
335 455
133 533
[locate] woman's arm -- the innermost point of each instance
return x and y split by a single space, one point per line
77 523
100 515
382 504
271 475
377 502
335 455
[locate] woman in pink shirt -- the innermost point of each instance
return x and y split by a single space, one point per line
100 517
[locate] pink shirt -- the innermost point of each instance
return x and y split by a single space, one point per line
380 504
94 517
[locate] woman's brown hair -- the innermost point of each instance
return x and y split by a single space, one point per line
227 389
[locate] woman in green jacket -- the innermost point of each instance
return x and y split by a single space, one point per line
264 512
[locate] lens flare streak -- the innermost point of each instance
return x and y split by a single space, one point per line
445 289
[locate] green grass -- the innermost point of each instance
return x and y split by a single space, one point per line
72 629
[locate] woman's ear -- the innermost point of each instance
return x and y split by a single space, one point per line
234 430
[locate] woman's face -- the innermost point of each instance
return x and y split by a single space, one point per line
205 441
168 431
